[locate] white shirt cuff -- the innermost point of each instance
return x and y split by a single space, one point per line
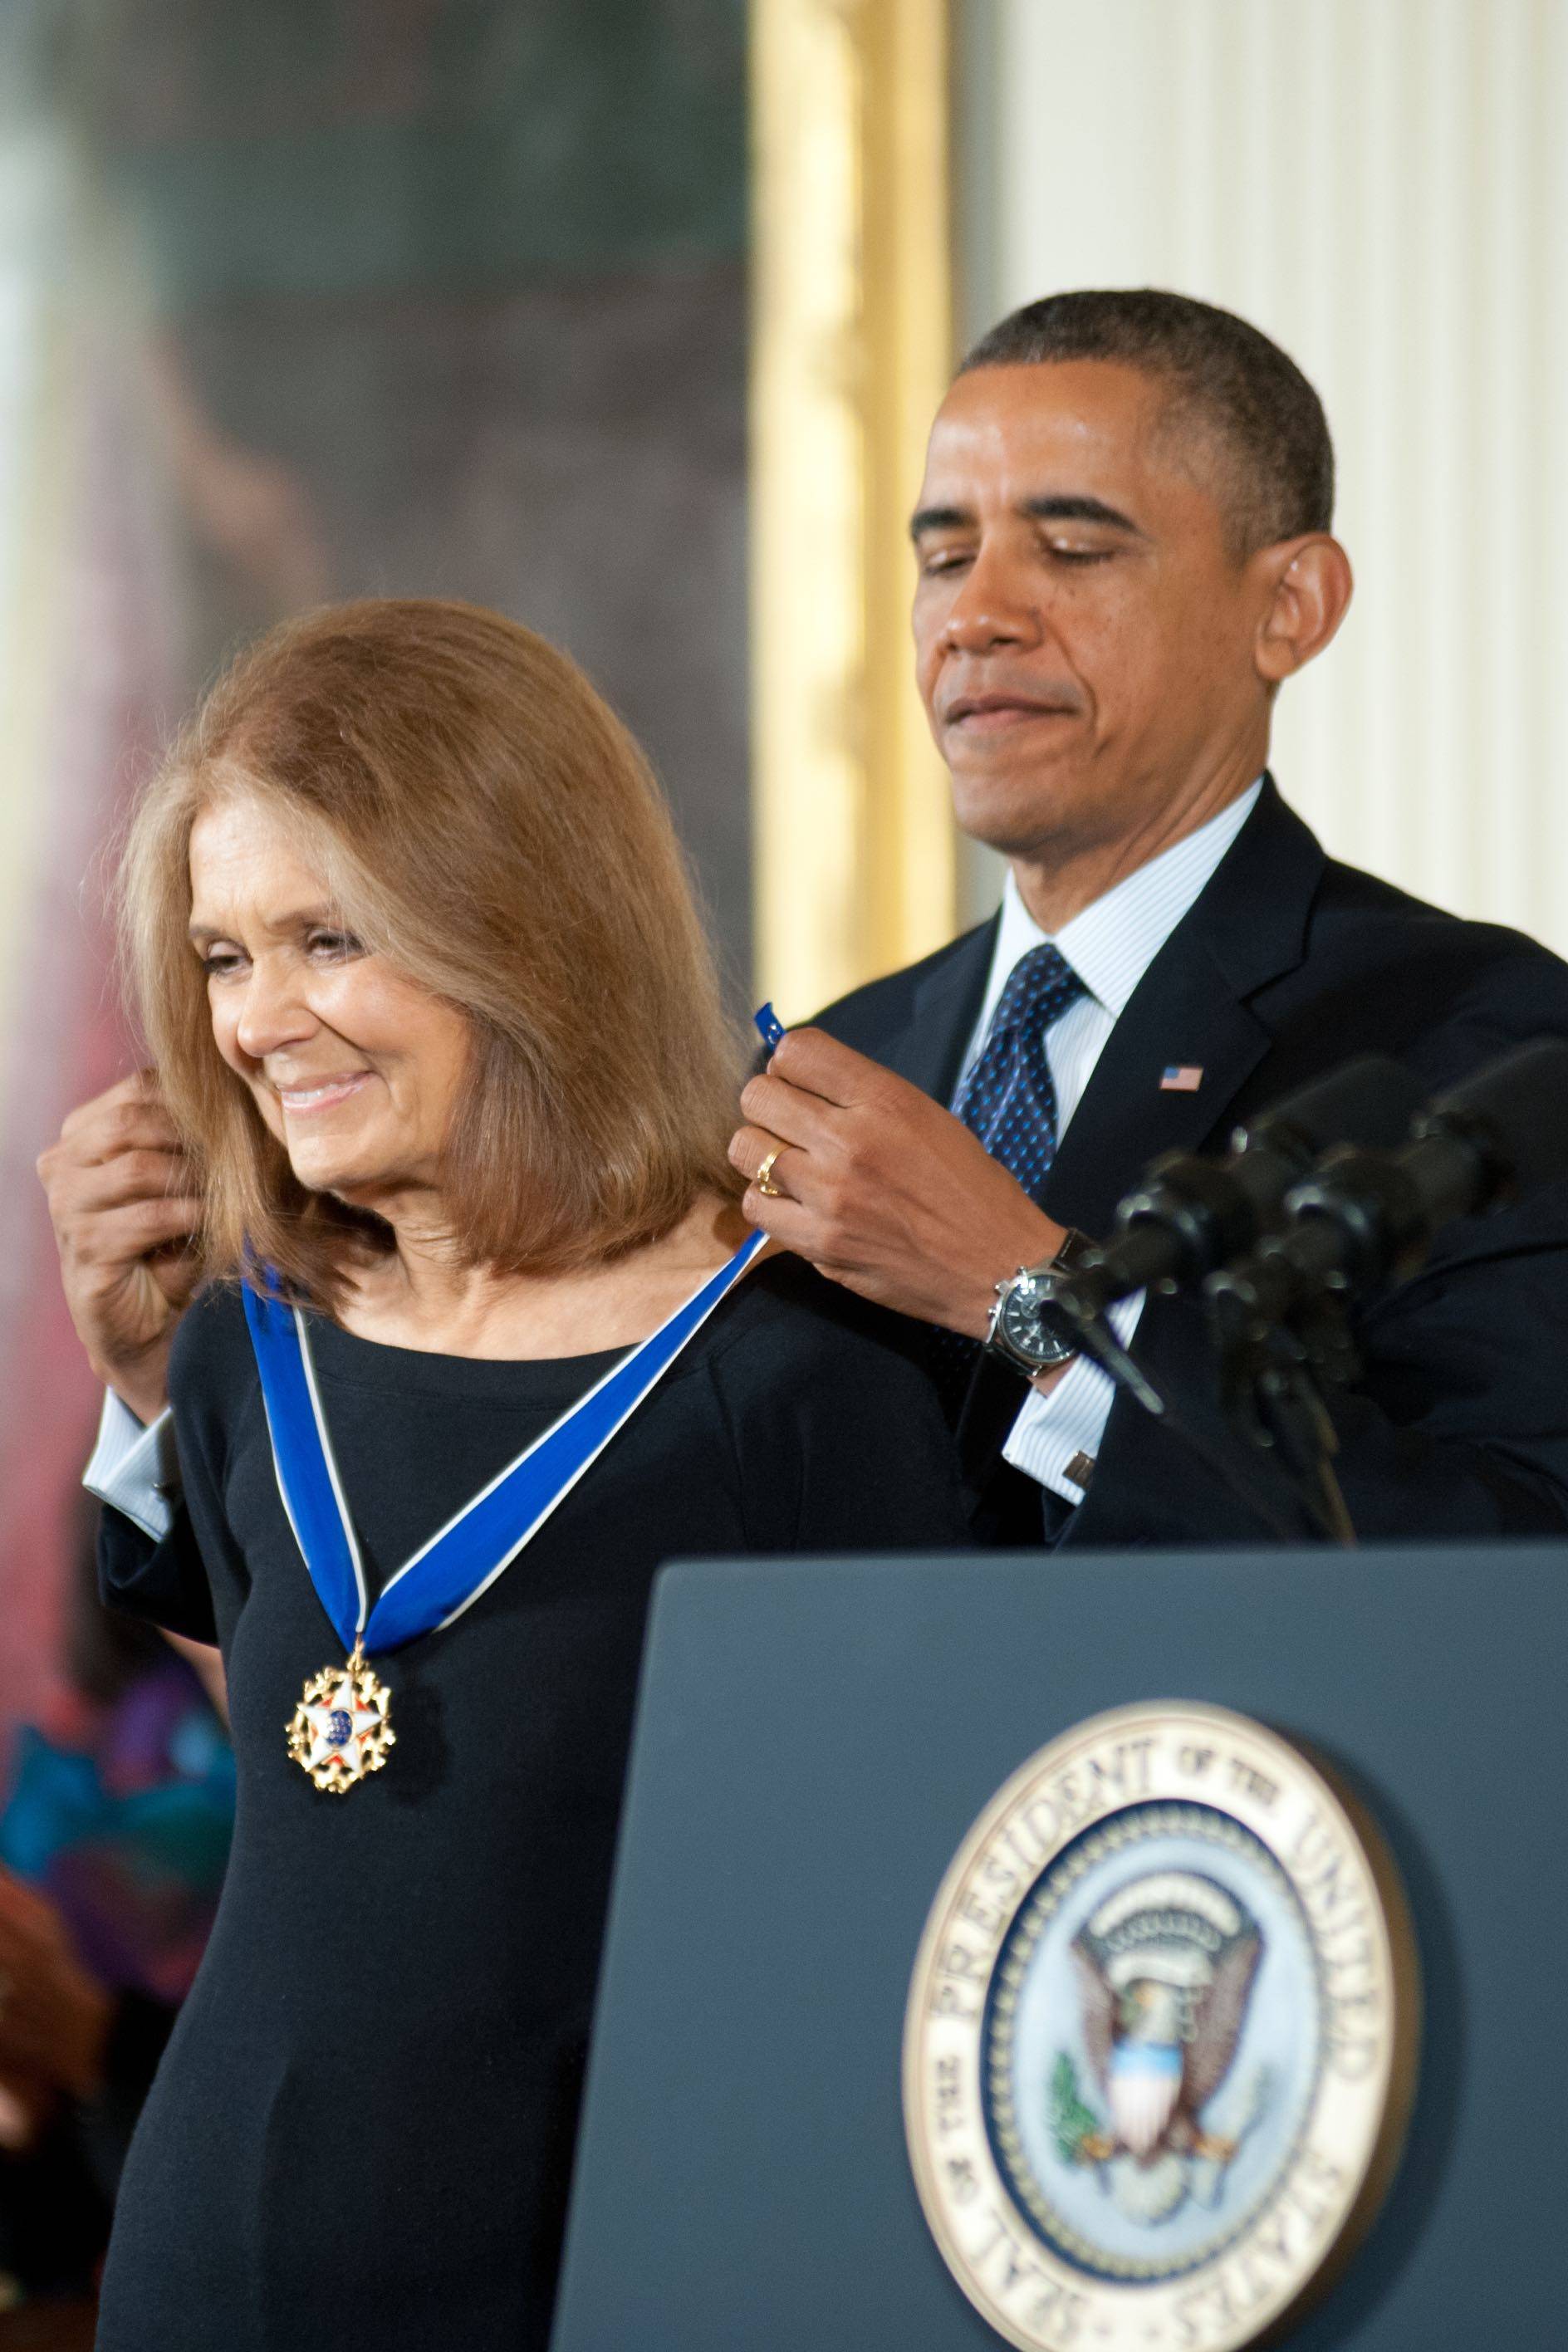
1057 1436
135 1468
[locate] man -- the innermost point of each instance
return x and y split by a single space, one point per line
1123 551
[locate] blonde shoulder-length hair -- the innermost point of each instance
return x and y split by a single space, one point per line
484 820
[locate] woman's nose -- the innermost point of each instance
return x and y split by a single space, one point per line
274 1013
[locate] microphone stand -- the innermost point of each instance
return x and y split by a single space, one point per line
1272 1379
1095 1336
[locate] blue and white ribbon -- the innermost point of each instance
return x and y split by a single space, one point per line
463 1559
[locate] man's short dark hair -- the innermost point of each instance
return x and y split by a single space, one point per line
1225 378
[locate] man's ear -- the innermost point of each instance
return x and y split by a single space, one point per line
1306 586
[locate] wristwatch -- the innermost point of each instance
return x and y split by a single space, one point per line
1023 1332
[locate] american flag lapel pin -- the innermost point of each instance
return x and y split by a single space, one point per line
1181 1078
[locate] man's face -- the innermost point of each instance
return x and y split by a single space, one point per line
1084 635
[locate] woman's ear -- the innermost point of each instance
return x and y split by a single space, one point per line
1307 585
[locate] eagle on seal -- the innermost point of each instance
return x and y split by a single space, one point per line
1165 1967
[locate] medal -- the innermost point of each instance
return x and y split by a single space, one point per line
341 1731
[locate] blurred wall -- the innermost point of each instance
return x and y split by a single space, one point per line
1383 186
310 298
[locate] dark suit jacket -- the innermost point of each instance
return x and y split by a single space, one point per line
1286 965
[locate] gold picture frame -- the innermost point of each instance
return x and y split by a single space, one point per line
854 849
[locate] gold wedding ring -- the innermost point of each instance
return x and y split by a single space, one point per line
763 1178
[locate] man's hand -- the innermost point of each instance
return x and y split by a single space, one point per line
885 1190
124 1210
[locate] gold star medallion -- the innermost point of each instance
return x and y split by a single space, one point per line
340 1729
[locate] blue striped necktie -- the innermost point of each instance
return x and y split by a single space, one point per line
1007 1098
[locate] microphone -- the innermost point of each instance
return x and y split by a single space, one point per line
1190 1215
1366 1217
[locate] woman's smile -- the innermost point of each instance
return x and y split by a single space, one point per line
301 1099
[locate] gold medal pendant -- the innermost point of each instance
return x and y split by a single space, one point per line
340 1729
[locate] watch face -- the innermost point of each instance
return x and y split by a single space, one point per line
1026 1325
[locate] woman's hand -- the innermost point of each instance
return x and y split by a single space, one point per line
124 1210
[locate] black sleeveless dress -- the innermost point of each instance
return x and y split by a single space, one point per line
362 2126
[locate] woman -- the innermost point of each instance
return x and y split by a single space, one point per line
420 971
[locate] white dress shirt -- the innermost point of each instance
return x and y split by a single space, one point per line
135 1468
1111 945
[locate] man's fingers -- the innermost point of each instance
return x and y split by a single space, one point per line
751 1150
139 1086
818 1064
158 1222
141 1089
117 1126
109 1139
130 1176
788 1115
118 1237
788 1222
134 1127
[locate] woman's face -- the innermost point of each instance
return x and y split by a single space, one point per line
354 1067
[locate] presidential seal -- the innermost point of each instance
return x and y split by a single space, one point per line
1159 2042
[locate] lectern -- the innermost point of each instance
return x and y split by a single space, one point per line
816 1742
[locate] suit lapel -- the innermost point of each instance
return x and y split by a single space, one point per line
944 1007
1192 1008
